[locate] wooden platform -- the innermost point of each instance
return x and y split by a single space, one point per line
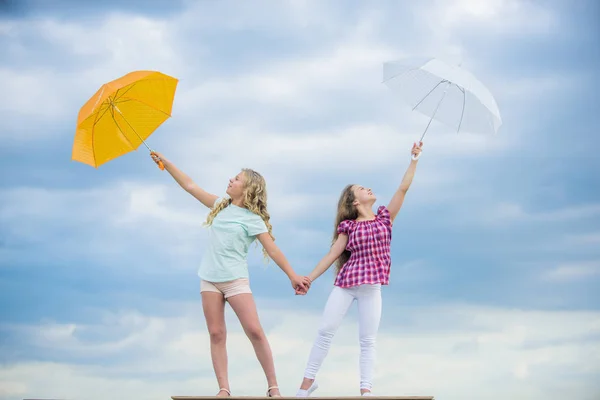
311 398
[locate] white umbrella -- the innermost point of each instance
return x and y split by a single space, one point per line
444 92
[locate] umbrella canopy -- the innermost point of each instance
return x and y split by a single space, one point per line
122 115
444 92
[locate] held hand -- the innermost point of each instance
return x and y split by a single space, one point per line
300 283
307 282
158 158
416 150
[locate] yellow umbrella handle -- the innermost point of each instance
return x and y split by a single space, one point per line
158 161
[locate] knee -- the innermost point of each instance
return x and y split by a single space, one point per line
325 335
217 335
255 333
326 332
367 341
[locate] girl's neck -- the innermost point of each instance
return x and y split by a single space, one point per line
365 213
238 202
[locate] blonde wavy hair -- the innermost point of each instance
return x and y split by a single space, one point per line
255 200
345 210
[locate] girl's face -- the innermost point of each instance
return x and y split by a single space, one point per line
235 189
363 196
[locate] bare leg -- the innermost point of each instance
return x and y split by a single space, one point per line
245 308
213 305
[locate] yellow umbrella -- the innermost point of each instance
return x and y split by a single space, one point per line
121 115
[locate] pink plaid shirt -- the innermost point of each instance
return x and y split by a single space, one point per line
369 245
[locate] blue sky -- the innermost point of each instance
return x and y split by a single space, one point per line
496 252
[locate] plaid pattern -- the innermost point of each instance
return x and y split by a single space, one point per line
369 245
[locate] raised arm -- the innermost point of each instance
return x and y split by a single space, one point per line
208 199
398 198
335 252
279 258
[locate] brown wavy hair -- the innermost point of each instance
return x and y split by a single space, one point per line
255 200
345 210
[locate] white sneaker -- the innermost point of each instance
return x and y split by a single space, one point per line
307 392
367 394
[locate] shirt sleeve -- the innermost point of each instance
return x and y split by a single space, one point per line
383 214
344 227
256 226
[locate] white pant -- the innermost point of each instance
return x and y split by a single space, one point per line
368 298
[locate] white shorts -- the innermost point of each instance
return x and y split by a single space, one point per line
227 289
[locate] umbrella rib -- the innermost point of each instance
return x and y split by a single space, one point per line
114 102
98 118
143 102
94 129
435 87
134 131
462 113
112 113
400 73
124 93
123 101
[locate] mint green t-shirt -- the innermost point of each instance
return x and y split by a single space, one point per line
229 237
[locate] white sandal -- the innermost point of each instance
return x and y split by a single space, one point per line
224 390
269 391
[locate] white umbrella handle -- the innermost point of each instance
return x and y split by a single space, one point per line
415 158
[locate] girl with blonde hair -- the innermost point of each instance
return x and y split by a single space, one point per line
235 222
361 250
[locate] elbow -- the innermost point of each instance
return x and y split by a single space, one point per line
189 186
403 189
332 256
271 252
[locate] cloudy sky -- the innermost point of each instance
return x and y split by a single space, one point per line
496 253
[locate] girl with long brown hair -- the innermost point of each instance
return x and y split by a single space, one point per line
361 251
235 222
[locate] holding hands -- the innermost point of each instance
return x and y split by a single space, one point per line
300 284
302 289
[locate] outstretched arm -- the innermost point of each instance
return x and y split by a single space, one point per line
279 258
398 198
208 199
334 253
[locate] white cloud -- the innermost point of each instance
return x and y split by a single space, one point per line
510 212
113 224
510 17
450 352
574 272
301 82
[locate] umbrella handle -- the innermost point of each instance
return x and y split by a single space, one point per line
159 161
415 158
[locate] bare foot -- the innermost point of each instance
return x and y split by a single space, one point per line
223 393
